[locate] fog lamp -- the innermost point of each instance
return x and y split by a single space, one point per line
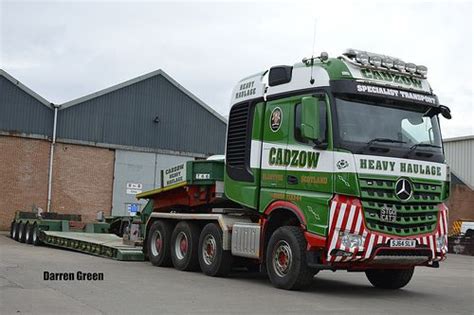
387 63
422 70
399 65
363 58
410 67
375 61
351 240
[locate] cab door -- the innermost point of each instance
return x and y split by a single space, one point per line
276 126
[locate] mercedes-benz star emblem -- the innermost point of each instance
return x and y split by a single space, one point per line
403 189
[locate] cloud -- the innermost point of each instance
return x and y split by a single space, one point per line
66 50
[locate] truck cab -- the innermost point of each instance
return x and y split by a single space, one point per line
349 151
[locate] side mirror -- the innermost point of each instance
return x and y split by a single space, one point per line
310 118
445 111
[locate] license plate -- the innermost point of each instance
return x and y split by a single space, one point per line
402 243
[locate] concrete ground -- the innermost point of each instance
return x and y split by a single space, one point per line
138 287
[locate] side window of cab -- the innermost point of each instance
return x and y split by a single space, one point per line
323 123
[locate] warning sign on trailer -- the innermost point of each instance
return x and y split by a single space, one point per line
174 175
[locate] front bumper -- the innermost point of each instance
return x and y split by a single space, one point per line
346 216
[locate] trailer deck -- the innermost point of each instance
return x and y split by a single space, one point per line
99 244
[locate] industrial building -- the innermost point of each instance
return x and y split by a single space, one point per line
459 153
108 145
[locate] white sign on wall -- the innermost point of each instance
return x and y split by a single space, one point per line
134 188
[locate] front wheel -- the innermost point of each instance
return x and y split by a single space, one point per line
286 259
21 232
390 278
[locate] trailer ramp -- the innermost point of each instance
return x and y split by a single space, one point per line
99 244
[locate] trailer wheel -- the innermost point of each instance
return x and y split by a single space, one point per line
390 278
286 259
159 243
35 235
213 259
21 232
28 233
12 225
184 246
15 231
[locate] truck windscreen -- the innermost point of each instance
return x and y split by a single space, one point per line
391 130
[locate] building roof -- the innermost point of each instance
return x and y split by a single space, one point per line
25 89
139 79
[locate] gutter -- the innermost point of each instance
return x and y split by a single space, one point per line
51 156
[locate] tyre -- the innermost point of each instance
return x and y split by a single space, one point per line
286 259
390 278
29 233
184 246
213 259
21 232
12 226
159 243
35 235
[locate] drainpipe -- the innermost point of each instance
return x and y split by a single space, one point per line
51 156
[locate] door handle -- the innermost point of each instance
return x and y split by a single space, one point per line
292 180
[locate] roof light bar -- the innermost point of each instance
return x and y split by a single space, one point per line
368 59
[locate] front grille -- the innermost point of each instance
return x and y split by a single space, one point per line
416 216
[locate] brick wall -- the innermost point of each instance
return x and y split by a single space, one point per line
82 178
460 203
23 176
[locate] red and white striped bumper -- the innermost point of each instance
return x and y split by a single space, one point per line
346 216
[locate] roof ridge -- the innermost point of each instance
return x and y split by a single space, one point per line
26 89
139 79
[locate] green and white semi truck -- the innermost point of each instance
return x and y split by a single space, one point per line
330 164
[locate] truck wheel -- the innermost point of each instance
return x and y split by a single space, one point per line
15 231
28 233
389 278
158 243
286 259
184 246
213 259
35 235
21 232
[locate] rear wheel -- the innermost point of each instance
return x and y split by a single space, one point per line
21 232
390 278
213 259
35 235
12 226
158 243
286 259
184 246
29 233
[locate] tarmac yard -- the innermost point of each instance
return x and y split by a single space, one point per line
44 280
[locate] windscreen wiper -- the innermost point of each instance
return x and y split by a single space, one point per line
421 145
384 140
388 140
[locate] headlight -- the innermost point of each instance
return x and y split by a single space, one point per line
422 70
351 240
399 65
387 63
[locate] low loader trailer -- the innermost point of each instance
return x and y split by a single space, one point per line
68 231
330 164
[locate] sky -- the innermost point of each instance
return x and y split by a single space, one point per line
67 49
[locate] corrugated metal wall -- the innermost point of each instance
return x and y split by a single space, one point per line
22 113
460 155
137 171
126 117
